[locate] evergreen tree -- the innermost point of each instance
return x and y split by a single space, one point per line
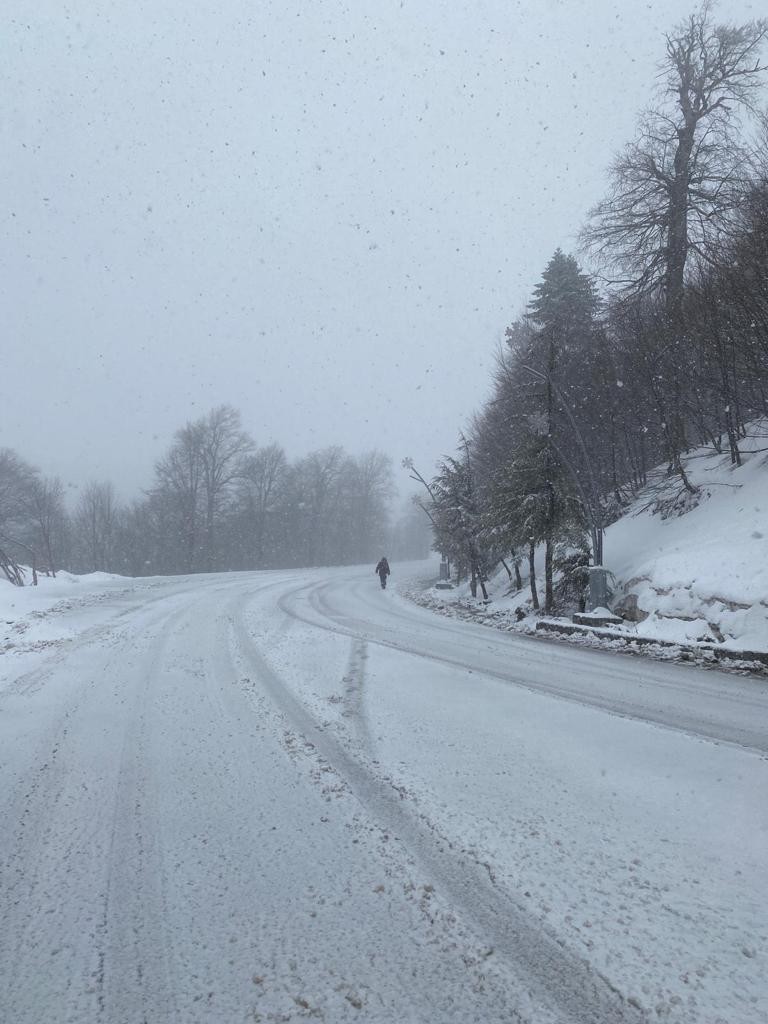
562 313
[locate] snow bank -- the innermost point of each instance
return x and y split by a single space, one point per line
702 575
30 617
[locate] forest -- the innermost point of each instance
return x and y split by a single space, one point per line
217 502
664 346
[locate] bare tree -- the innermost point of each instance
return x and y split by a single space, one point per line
223 446
177 493
370 485
17 477
44 508
94 523
674 188
194 480
319 478
262 474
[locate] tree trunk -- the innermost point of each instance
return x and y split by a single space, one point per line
677 254
549 592
532 575
677 231
518 578
12 570
209 534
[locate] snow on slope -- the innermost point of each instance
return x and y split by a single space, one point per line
29 614
60 609
701 576
708 567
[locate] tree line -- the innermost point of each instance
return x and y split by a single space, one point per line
217 502
663 347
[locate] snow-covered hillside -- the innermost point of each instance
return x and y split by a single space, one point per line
703 574
695 569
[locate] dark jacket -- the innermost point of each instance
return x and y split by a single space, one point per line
383 567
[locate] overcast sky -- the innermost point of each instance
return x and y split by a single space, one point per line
324 213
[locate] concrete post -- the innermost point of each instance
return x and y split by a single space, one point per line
598 587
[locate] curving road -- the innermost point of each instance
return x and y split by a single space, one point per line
288 796
701 702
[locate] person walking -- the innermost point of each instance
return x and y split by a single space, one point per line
383 571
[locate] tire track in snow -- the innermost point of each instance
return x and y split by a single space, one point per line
85 924
136 981
153 978
389 982
102 634
120 623
76 828
354 690
661 717
562 984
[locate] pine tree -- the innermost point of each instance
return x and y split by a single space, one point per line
562 314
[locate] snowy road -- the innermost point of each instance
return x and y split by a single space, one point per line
287 796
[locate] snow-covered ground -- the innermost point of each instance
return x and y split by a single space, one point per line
709 567
288 796
701 578
32 617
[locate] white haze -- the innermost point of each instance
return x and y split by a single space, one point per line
323 213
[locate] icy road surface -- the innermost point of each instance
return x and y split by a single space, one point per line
289 796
